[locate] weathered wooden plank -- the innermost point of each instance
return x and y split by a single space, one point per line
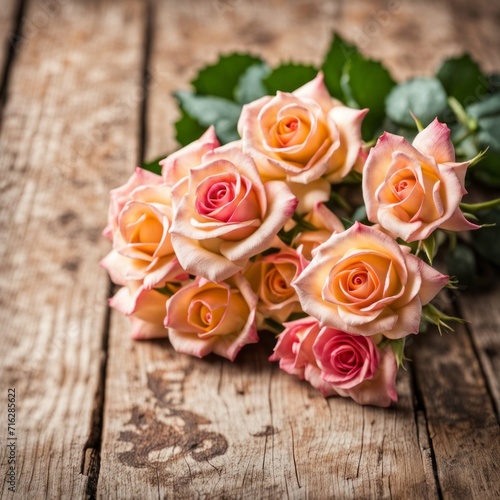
177 426
458 406
483 321
412 38
70 126
8 21
464 431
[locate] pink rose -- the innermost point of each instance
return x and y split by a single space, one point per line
205 317
302 136
120 196
325 222
294 351
413 189
337 363
142 248
145 308
361 281
270 277
355 367
224 214
177 165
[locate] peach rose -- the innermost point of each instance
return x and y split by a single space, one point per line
302 136
355 367
205 317
270 277
224 214
177 165
413 189
310 194
145 308
361 281
119 196
142 248
326 223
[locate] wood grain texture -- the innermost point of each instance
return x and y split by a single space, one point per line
483 321
181 427
8 22
463 429
68 130
174 426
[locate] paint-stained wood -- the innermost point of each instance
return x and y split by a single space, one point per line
68 130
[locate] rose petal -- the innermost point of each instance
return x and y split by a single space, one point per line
435 141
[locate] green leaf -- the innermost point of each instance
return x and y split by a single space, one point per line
360 214
338 54
153 166
208 110
487 107
488 171
424 97
289 77
462 78
221 78
188 129
369 84
489 132
494 81
461 263
250 85
487 115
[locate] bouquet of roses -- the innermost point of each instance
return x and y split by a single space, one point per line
253 236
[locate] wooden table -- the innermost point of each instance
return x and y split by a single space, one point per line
85 96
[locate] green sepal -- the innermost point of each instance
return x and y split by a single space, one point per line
433 315
398 347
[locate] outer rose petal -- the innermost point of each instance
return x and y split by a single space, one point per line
293 348
309 195
348 122
381 390
146 310
313 376
435 141
116 265
197 260
317 91
119 196
177 165
226 345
